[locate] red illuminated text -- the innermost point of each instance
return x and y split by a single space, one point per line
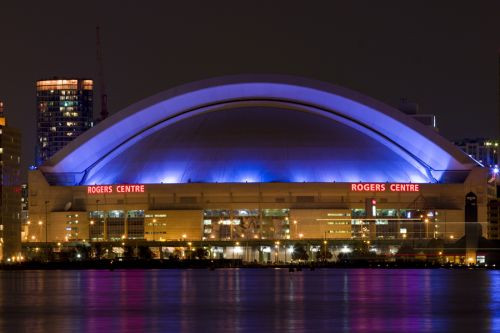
404 187
377 187
99 189
105 189
368 187
130 188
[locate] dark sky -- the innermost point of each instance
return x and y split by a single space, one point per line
441 54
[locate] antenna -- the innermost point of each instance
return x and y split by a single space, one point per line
100 73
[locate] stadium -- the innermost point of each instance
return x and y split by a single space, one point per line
256 160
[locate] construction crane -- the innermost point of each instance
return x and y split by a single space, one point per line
100 73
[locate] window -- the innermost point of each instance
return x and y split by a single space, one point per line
358 212
135 213
116 214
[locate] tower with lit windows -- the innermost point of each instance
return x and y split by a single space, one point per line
10 194
64 111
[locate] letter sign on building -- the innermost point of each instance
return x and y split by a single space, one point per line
99 189
378 187
108 189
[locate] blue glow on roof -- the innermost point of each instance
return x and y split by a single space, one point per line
256 145
361 139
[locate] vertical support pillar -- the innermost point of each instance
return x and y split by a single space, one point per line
472 228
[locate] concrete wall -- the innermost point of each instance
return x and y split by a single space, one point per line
173 225
316 206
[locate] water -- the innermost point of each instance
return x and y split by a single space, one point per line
250 300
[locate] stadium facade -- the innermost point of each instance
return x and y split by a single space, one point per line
256 158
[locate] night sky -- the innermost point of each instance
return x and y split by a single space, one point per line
441 54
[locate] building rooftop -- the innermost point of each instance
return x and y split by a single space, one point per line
258 129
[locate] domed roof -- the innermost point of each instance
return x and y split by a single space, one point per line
256 145
257 129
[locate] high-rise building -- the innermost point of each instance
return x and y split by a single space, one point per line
10 200
482 150
64 111
24 211
2 118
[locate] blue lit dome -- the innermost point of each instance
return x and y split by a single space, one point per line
256 145
257 129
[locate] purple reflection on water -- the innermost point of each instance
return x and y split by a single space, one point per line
250 300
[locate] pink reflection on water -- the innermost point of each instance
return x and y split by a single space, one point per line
249 300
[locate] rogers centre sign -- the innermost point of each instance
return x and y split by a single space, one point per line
106 189
378 187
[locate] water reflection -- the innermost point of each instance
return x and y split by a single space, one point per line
249 300
494 304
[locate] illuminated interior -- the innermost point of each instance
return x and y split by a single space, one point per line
44 85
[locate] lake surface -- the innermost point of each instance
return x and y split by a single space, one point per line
250 300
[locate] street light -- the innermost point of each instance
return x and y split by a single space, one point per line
426 227
277 247
154 229
190 250
237 244
98 221
40 223
46 222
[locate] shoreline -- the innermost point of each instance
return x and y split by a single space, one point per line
227 263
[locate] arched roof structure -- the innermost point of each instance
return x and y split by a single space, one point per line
258 129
